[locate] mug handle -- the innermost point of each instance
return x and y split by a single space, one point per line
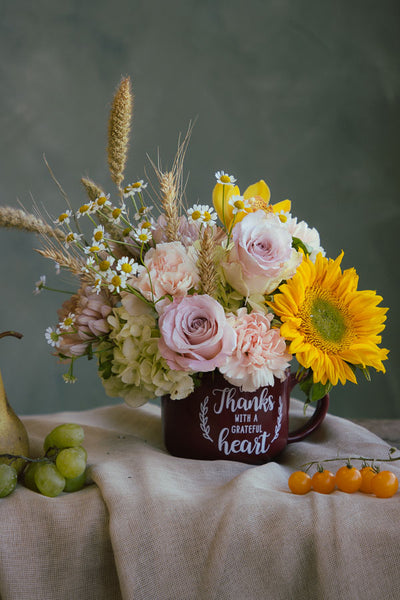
315 420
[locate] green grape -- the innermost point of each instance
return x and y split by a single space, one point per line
8 480
67 435
49 480
71 462
75 484
29 476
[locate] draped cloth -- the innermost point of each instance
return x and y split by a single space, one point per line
155 527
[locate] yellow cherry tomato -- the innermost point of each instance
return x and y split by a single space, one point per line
323 482
348 479
299 482
384 484
367 475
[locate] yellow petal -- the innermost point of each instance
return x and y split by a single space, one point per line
258 189
220 197
284 205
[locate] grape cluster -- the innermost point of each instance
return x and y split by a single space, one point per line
61 469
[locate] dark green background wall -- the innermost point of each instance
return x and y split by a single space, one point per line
304 94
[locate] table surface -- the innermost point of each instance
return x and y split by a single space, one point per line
159 527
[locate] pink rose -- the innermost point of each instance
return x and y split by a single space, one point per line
195 335
262 254
260 353
170 269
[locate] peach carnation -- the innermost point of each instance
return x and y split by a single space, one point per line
169 269
260 353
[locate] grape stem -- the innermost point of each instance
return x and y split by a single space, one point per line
364 459
20 456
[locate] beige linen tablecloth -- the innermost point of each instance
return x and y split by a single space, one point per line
156 527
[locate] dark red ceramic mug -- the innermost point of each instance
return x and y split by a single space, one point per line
218 421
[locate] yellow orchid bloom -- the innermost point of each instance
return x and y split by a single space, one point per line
257 196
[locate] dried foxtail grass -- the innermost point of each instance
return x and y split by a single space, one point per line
119 126
93 190
206 263
15 218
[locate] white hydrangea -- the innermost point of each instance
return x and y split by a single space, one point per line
139 371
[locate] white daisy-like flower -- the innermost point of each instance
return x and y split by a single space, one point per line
116 281
90 264
134 188
39 285
64 218
98 284
142 212
142 235
94 248
105 265
195 213
127 265
52 336
238 204
209 217
98 234
72 238
147 224
117 212
224 178
86 209
102 201
68 322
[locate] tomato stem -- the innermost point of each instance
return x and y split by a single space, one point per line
364 459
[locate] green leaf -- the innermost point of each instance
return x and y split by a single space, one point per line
297 244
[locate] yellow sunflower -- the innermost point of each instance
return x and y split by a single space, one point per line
258 196
329 323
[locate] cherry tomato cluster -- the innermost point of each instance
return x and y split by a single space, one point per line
383 484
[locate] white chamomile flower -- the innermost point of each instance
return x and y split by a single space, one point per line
116 281
68 322
86 209
134 188
104 266
39 285
127 265
90 264
195 213
94 248
117 212
98 284
72 238
52 336
64 218
142 235
224 178
142 212
102 201
238 204
147 224
208 216
98 234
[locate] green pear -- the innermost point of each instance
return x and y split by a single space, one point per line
13 436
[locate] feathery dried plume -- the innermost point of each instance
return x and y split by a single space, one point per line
206 264
15 218
119 125
92 189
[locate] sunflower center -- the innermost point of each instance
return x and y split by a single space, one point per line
328 320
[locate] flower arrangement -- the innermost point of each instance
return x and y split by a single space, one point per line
166 295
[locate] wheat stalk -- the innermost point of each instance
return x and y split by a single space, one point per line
15 218
206 264
119 125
